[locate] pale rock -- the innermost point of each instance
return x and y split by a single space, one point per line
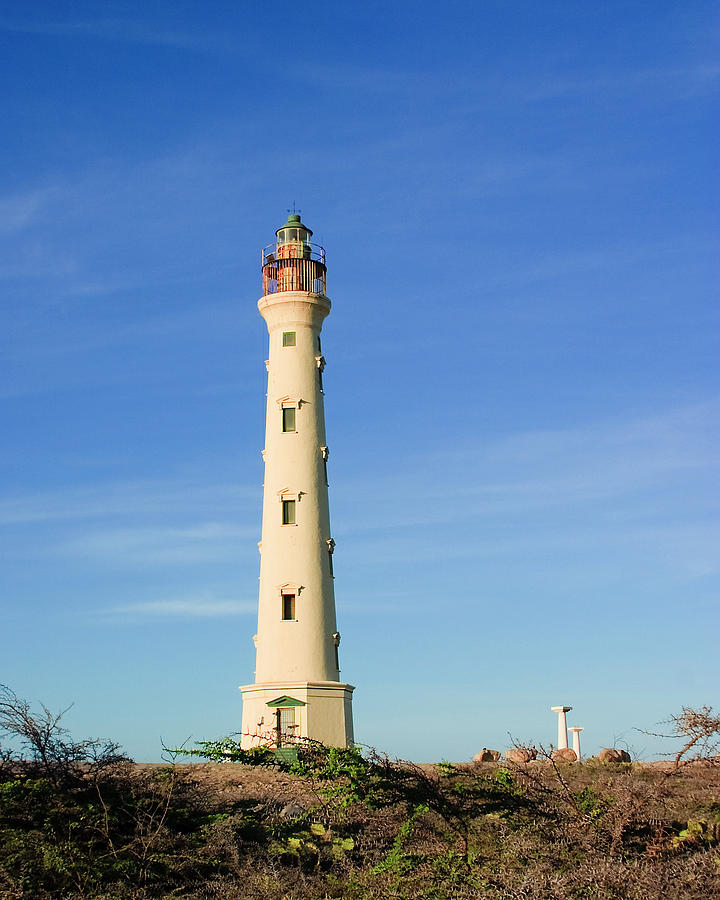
613 755
486 755
564 754
521 754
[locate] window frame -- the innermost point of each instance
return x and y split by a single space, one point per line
288 419
286 336
330 544
289 511
325 453
288 602
336 644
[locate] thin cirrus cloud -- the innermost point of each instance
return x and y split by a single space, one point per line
117 29
195 607
638 483
133 499
18 211
457 86
593 460
200 543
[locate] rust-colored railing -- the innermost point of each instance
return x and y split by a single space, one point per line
294 249
291 274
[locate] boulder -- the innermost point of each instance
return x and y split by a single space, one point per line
486 755
613 755
564 754
520 754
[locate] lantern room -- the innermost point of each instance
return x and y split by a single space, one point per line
293 239
294 262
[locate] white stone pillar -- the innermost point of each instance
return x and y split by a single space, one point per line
562 725
576 729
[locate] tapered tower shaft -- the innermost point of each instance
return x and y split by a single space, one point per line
297 659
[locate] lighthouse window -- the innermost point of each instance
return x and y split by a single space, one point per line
288 418
288 512
288 338
288 607
287 720
325 453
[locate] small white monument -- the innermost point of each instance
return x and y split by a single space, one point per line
562 725
576 729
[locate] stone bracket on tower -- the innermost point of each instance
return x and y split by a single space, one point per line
320 362
325 453
287 494
284 402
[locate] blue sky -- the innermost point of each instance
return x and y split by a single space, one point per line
518 204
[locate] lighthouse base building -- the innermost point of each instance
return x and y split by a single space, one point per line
297 693
319 711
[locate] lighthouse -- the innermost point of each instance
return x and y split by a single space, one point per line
297 692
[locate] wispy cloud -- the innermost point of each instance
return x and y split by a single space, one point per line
94 335
665 82
116 499
126 30
200 543
609 261
619 476
17 211
195 607
457 85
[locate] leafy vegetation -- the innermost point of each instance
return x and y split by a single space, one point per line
80 820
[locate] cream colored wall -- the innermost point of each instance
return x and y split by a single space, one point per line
326 717
329 713
297 554
296 657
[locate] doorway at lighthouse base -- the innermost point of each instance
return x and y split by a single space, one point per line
317 710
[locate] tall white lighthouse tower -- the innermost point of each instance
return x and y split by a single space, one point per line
297 691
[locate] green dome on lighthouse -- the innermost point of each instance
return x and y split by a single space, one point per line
294 221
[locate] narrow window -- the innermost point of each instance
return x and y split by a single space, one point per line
288 607
331 549
288 418
337 658
288 338
287 721
319 345
320 363
288 512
